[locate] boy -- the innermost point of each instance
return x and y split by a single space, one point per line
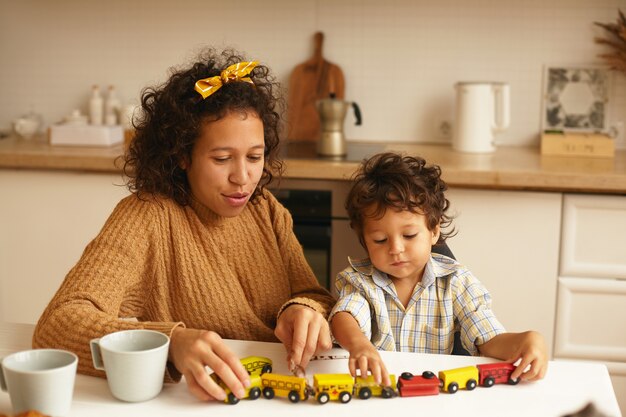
405 298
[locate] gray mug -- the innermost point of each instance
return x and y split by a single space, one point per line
134 362
40 379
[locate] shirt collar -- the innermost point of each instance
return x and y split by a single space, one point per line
437 266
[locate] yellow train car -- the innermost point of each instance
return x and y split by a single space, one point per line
257 364
292 387
454 379
333 387
252 392
364 388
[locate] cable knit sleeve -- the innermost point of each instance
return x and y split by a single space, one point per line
305 289
107 286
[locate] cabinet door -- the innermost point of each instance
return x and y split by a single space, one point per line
594 236
510 241
46 220
591 319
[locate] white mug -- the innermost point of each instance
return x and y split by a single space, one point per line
40 379
134 362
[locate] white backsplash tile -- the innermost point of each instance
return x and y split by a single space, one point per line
400 58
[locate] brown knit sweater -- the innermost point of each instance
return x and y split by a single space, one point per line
164 264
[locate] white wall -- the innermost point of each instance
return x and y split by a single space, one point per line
400 57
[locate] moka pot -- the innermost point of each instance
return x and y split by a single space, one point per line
332 112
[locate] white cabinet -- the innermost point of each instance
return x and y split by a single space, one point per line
590 319
591 305
594 236
510 241
46 220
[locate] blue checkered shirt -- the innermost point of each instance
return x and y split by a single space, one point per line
449 298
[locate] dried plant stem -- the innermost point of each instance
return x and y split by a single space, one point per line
616 59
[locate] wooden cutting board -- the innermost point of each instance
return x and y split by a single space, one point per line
314 79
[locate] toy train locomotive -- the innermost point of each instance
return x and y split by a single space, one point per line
342 387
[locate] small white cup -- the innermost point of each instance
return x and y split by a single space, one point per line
40 379
134 362
26 127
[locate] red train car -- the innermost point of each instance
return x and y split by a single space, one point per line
410 385
496 373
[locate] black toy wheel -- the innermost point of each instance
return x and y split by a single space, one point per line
365 393
428 374
293 396
232 399
453 387
471 384
513 381
268 393
254 393
489 382
406 375
266 369
388 392
345 397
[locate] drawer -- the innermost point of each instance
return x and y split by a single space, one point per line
594 236
591 319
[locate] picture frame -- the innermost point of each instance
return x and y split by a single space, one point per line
575 99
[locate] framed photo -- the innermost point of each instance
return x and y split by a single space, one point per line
575 99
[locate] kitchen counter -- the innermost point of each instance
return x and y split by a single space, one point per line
509 168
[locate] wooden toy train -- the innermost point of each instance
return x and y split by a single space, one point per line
342 387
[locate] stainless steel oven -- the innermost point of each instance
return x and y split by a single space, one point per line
320 224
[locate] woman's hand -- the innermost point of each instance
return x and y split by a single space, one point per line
304 332
191 350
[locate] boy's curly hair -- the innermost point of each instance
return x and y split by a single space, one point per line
388 180
173 114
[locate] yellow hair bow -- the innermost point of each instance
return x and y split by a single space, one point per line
236 72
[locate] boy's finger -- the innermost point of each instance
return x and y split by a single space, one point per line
363 366
352 366
385 376
517 373
376 372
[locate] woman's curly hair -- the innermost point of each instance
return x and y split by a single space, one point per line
388 180
173 114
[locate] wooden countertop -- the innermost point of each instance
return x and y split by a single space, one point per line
509 168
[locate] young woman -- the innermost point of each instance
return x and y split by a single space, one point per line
200 250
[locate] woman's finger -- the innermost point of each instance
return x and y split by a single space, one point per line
233 363
298 341
196 390
206 383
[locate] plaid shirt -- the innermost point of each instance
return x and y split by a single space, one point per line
449 298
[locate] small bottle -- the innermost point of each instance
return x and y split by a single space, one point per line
112 107
96 107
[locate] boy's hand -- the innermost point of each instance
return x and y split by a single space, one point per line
530 348
364 356
527 347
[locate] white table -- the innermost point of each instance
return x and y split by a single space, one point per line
567 387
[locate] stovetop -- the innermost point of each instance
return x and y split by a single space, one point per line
356 152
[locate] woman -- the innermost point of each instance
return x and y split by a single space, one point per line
200 250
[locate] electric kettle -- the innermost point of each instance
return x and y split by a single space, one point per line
332 112
482 109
